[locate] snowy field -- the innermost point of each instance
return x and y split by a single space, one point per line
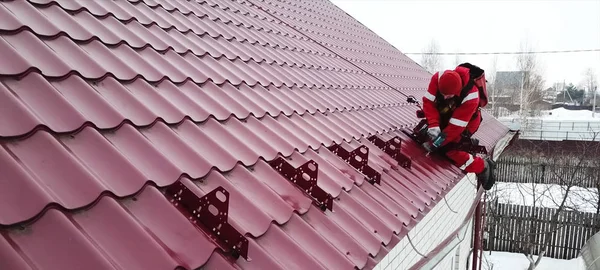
561 114
513 261
546 195
557 124
574 115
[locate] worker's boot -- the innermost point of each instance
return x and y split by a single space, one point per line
486 178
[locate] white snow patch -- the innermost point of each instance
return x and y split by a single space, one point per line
557 124
564 114
516 261
546 195
561 114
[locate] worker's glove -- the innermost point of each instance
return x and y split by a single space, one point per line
428 147
433 132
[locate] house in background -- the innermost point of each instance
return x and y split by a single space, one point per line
550 94
506 92
248 134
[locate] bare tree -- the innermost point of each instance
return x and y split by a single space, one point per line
563 171
589 195
490 74
591 84
590 78
430 59
531 82
457 59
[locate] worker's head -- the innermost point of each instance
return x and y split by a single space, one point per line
450 84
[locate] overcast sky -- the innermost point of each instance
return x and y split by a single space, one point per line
490 26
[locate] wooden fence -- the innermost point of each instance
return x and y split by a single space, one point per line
518 169
508 227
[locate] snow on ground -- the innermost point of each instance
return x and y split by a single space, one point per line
557 124
547 195
514 261
561 114
576 115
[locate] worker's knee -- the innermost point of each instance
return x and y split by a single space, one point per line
466 162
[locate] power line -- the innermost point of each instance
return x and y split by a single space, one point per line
497 53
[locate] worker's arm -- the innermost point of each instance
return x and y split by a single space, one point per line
431 113
461 117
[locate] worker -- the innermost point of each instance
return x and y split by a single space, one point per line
452 108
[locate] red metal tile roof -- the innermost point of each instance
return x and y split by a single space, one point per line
105 105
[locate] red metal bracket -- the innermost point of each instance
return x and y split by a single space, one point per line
359 159
392 148
210 213
305 178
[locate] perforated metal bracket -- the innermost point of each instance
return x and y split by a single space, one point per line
359 159
210 213
393 148
305 178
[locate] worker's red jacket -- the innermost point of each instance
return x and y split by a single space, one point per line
465 115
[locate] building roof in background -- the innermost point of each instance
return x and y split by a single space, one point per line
111 108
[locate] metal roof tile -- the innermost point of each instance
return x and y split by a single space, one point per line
7 20
367 211
30 49
174 5
350 225
311 241
10 258
260 260
41 104
288 253
190 41
277 207
111 102
336 235
138 148
45 159
22 183
25 15
377 201
161 17
184 156
152 35
123 254
130 102
18 119
151 210
70 246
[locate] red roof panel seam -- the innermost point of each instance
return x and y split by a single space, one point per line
376 78
87 123
329 22
183 31
189 50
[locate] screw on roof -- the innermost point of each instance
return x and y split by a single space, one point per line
359 159
393 148
305 179
209 213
